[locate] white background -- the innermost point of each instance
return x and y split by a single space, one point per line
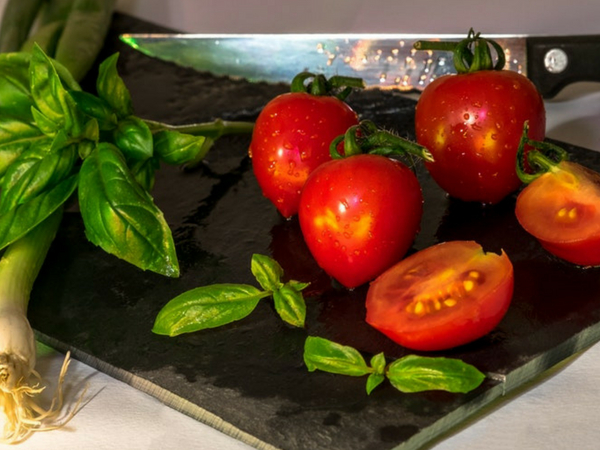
559 412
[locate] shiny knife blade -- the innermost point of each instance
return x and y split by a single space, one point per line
386 61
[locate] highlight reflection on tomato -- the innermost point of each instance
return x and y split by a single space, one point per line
441 297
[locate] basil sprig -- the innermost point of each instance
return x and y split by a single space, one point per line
57 140
409 374
220 304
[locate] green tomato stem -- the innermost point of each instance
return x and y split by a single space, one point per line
545 158
213 130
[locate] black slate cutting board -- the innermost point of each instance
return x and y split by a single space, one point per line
248 378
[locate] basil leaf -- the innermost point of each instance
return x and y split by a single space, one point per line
328 356
290 305
96 108
267 272
13 128
120 216
46 125
418 373
374 380
143 172
10 151
207 307
15 96
134 139
112 89
178 148
20 220
51 98
38 169
378 375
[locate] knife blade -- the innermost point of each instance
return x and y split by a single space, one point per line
385 61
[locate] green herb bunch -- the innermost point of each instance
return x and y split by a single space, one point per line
57 141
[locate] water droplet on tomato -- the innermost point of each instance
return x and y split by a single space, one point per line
466 116
338 218
347 234
476 127
336 244
357 252
477 104
494 136
356 218
272 166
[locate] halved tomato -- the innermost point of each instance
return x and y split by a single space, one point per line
441 297
561 208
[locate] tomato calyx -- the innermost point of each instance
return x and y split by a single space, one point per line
472 54
545 157
366 137
336 86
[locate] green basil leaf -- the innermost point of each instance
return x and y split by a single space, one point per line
143 172
374 380
418 373
121 217
45 124
290 305
38 169
10 151
178 148
18 221
298 285
13 128
329 356
96 108
207 307
134 139
112 89
267 272
15 94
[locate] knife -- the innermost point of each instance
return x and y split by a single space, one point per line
386 61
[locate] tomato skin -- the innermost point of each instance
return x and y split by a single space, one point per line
472 124
359 215
479 284
561 209
291 138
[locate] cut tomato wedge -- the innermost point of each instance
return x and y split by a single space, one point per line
561 209
441 297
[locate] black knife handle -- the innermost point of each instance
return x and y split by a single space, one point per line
582 61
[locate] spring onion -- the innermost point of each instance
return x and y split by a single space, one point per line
19 267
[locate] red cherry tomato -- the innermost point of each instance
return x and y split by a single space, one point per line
359 215
291 138
441 297
472 124
561 208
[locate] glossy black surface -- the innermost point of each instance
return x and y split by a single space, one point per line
251 373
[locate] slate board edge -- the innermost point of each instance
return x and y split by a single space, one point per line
437 432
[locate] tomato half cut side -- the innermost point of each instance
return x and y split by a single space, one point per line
441 297
561 209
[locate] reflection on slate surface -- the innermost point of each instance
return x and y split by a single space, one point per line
251 373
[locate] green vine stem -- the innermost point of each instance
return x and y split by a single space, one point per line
337 86
214 129
367 138
471 54
544 158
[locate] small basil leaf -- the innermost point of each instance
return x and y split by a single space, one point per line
378 363
328 356
15 95
112 89
120 216
418 373
13 128
96 108
207 307
178 148
143 172
290 305
10 151
374 380
45 124
18 221
267 272
298 285
39 169
134 139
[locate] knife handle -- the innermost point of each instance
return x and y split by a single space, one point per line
554 62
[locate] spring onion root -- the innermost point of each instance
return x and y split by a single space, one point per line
19 267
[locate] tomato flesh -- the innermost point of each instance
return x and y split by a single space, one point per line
359 215
291 138
472 124
561 209
444 296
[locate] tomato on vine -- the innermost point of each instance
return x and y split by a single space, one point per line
441 297
292 134
472 121
360 213
560 206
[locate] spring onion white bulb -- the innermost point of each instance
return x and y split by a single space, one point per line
19 267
